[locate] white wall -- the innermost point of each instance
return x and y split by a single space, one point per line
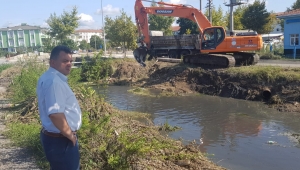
79 36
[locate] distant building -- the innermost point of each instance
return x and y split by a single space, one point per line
23 36
175 29
291 30
86 34
277 29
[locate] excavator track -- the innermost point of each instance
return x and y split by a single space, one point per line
210 60
245 59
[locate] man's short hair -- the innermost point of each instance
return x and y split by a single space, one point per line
56 50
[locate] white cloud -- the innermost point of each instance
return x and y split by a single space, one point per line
108 10
44 25
85 20
9 24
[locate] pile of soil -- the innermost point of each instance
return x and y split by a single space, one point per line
179 79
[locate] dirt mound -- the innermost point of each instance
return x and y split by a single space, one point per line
178 79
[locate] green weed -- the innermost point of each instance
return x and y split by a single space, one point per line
268 74
27 136
167 127
4 67
24 85
98 68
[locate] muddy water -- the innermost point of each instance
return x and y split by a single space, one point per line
236 134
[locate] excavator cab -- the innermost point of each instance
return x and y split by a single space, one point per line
212 37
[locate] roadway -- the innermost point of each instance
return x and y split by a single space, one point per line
45 57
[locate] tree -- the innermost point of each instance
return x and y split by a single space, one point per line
69 43
296 5
121 31
237 16
96 42
160 23
63 26
281 22
84 45
257 18
218 18
269 27
49 44
186 24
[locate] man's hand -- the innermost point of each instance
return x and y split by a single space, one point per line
60 122
72 137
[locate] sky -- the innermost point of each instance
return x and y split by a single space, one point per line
36 12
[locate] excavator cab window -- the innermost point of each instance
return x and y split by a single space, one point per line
212 37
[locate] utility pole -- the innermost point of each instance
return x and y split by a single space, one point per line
200 5
95 42
209 10
231 4
103 30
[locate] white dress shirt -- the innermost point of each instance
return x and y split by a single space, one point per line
55 96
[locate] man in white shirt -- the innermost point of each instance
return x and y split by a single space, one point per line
60 113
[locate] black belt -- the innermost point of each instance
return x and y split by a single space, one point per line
56 135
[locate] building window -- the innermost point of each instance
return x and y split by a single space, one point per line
21 42
10 34
11 43
32 38
20 34
294 39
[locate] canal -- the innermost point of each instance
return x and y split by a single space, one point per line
235 134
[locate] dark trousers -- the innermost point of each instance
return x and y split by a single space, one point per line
60 152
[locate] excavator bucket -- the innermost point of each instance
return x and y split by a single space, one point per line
140 55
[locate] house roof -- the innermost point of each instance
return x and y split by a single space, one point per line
21 27
88 31
295 12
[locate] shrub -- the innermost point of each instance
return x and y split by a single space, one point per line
24 85
96 69
4 67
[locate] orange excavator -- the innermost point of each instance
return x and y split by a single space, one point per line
214 48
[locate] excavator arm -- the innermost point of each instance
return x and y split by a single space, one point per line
167 9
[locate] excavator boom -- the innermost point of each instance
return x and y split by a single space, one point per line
173 10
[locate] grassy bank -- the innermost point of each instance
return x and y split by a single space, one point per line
270 74
109 138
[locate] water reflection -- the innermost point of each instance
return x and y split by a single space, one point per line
228 129
235 131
